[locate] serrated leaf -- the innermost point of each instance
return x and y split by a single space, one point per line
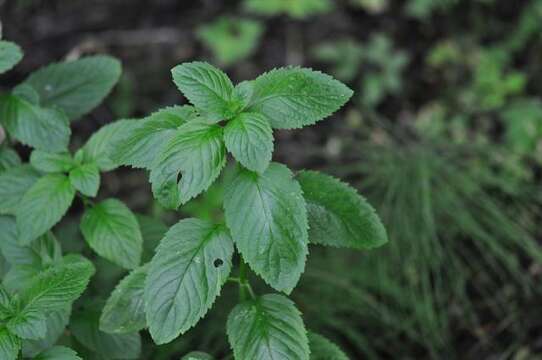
77 86
142 144
10 55
249 138
268 222
323 349
51 162
197 355
101 145
206 87
9 345
43 205
56 322
197 151
8 158
59 285
14 183
338 215
185 277
85 178
28 324
58 353
124 311
295 97
112 230
42 128
267 328
85 328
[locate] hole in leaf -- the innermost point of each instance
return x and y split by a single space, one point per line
218 263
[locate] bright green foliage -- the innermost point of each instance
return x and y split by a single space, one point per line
112 230
10 55
58 353
249 138
85 328
323 349
14 183
43 205
185 276
99 148
197 151
9 345
77 86
146 139
231 39
267 217
28 324
266 328
206 87
51 162
295 8
124 311
58 285
42 128
338 215
85 178
295 97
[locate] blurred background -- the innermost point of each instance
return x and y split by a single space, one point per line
443 136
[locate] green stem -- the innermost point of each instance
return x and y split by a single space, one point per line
244 285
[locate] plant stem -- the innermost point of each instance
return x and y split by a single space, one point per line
244 285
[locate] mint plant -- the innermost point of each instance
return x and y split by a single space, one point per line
271 213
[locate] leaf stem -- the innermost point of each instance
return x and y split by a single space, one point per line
244 285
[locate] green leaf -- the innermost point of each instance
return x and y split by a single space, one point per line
59 285
295 97
267 328
85 328
197 151
124 311
338 215
28 324
197 355
206 87
185 276
42 128
76 86
8 158
44 250
56 322
43 205
112 230
10 55
51 162
85 178
9 345
323 349
268 221
249 138
101 145
143 143
58 353
5 303
14 183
